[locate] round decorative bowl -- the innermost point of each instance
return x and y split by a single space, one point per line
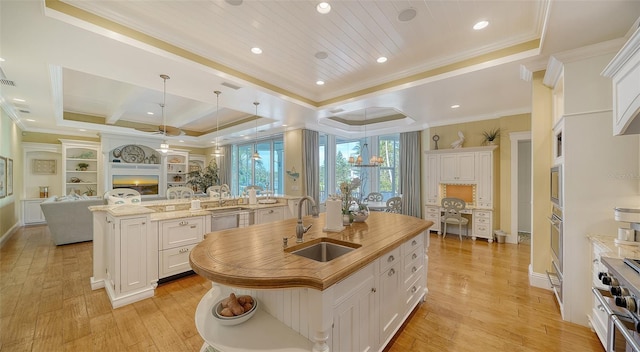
360 215
238 319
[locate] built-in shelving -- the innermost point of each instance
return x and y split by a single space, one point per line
81 162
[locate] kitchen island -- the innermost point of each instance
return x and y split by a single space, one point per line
356 301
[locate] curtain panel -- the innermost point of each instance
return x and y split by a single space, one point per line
311 165
410 173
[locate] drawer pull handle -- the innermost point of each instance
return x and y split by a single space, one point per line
414 256
373 289
144 223
390 259
391 272
414 269
271 211
414 242
192 226
414 289
184 250
183 223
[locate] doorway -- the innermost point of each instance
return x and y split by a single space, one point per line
521 187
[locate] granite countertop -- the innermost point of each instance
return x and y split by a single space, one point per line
182 208
615 250
253 257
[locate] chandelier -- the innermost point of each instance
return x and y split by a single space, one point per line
217 151
374 161
164 146
256 155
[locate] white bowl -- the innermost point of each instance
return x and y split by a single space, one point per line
238 319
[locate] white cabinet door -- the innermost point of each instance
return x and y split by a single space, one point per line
174 261
457 167
433 186
432 213
391 292
354 327
485 180
133 254
32 213
264 216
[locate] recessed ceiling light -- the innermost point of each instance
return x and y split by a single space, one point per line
256 50
480 25
320 82
30 120
82 130
381 60
181 141
455 106
323 8
212 142
321 55
234 2
19 100
149 112
283 125
407 15
2 59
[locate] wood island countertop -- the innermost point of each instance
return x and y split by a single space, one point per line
254 257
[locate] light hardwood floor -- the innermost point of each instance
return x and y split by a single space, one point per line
479 300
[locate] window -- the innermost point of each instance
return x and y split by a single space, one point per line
335 168
266 172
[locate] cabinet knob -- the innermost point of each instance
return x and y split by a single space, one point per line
373 289
414 256
414 289
390 259
391 272
144 223
414 269
414 242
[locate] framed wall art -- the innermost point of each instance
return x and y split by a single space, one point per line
9 176
44 166
3 177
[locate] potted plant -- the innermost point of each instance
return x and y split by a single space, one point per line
83 166
90 191
202 179
490 136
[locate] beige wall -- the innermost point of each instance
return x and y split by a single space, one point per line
541 139
293 159
502 162
10 141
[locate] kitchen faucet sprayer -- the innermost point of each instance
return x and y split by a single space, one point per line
300 229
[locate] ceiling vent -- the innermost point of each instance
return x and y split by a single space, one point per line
4 80
232 86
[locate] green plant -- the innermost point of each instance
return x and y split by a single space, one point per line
90 191
83 166
204 178
490 135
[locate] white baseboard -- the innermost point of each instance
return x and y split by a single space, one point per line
124 299
96 284
538 280
7 235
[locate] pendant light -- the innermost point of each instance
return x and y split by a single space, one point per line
255 155
164 146
374 161
217 151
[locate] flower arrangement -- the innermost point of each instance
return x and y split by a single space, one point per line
345 189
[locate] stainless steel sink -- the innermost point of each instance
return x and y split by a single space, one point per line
325 251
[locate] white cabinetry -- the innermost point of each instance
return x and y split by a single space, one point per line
598 317
32 213
433 186
80 166
177 168
482 224
484 189
355 327
457 167
270 214
129 269
177 238
624 70
432 213
414 263
391 293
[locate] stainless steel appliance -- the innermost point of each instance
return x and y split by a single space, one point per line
556 185
555 275
620 303
223 219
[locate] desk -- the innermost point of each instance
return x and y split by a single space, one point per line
377 206
481 221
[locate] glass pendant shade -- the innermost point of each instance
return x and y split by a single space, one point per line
256 155
374 161
217 151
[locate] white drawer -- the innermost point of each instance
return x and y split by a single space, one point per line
413 258
174 261
482 221
389 259
483 230
181 232
412 270
433 211
412 244
414 291
478 214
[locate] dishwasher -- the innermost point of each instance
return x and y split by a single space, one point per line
228 218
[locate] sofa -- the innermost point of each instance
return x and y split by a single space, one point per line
69 218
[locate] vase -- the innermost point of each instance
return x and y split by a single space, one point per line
346 219
361 214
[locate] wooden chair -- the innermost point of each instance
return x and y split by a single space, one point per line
452 215
394 205
120 196
374 197
180 192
